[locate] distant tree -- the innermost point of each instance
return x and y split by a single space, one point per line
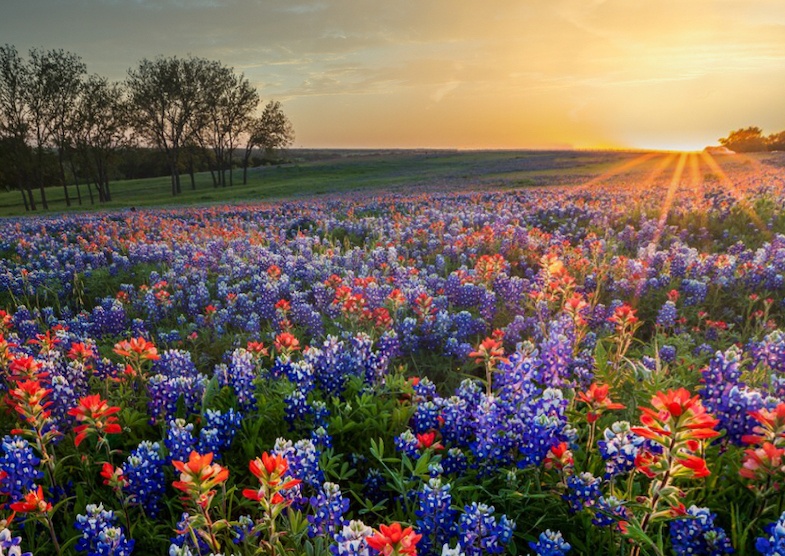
68 73
100 130
776 141
229 102
14 126
51 83
164 101
270 132
749 139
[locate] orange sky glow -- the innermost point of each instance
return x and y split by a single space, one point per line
662 74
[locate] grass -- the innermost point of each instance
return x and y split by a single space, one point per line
370 171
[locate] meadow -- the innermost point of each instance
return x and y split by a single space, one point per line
403 353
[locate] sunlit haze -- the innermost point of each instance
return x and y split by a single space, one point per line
662 74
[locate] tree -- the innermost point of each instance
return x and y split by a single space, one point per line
51 85
100 129
164 101
14 126
748 139
776 141
229 101
270 131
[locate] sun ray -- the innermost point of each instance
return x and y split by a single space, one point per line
736 193
615 171
668 201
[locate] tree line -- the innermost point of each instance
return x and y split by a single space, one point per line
61 126
751 139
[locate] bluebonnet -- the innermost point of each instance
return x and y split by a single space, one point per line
583 490
436 520
667 353
10 545
667 315
609 510
480 532
374 485
218 431
550 543
20 464
180 441
144 471
243 529
773 544
696 533
174 376
408 444
240 374
454 462
329 507
726 396
350 540
619 447
100 535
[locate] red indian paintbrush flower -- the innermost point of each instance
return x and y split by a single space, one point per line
392 540
33 502
559 457
199 476
270 470
490 350
137 348
762 464
96 416
771 427
598 401
286 343
676 412
27 399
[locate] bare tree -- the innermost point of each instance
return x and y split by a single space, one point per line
229 101
164 101
270 132
52 76
100 129
14 116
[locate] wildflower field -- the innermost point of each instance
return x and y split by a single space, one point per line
592 367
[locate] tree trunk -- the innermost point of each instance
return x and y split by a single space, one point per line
107 191
62 176
24 199
76 180
90 191
30 198
40 172
191 172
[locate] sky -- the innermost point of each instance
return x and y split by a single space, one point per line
467 74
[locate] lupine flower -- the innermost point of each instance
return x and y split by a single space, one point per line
96 417
774 543
696 533
550 543
329 507
392 540
351 540
481 533
100 534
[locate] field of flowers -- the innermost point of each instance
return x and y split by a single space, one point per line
592 368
